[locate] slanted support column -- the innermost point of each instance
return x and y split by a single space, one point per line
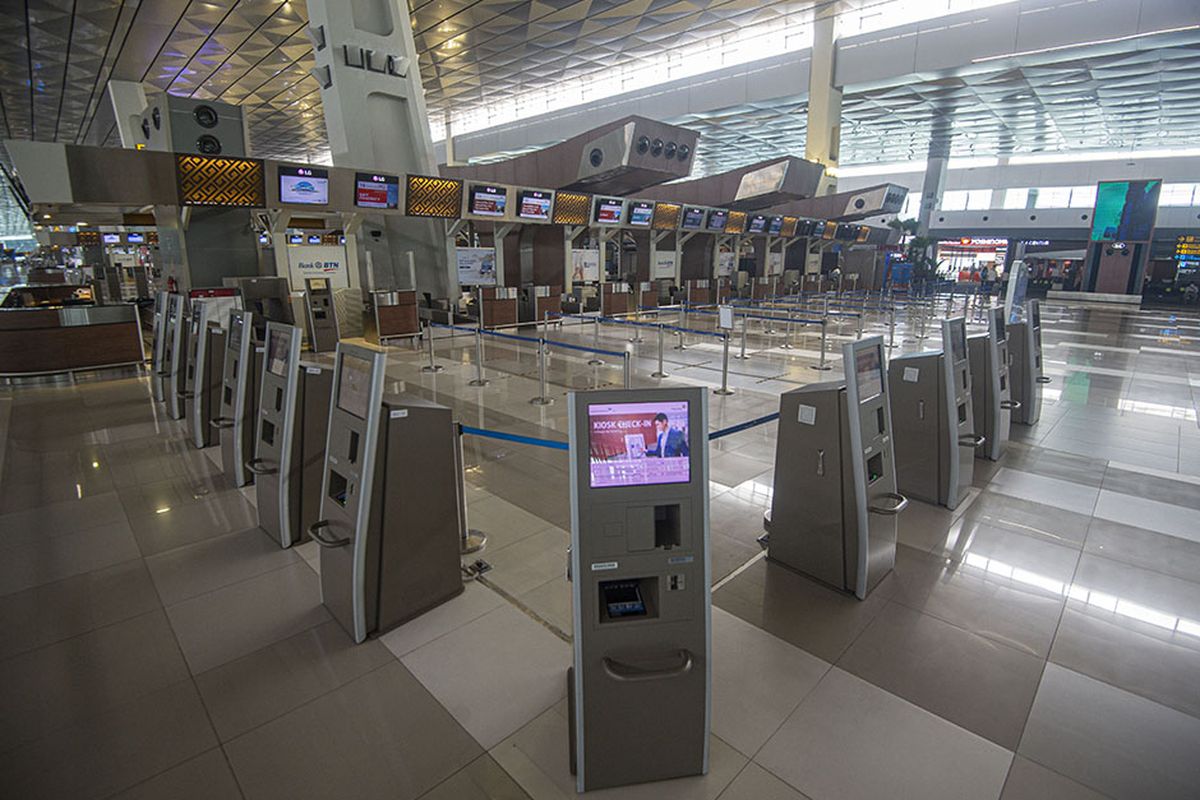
935 172
824 126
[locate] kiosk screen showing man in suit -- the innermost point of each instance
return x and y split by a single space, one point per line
639 444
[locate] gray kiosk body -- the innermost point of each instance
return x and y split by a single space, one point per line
990 389
933 433
157 382
176 360
320 315
1025 350
833 515
239 397
389 521
206 361
289 445
640 688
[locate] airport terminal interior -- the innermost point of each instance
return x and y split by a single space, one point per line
662 400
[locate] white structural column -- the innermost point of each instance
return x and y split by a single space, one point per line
824 127
376 120
935 171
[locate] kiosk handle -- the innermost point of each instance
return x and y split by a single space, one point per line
1011 405
901 504
255 465
1043 379
186 395
621 671
972 440
221 422
314 532
162 373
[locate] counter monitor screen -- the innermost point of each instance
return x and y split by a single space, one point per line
354 386
758 224
277 352
608 210
534 204
693 218
306 185
135 238
868 371
641 213
488 201
717 219
775 226
376 191
639 444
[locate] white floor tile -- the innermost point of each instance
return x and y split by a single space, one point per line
475 601
1042 489
1150 514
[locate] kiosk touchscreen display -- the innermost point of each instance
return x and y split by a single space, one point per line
639 444
277 353
1036 313
533 205
1001 327
693 218
354 386
958 343
868 371
235 334
488 201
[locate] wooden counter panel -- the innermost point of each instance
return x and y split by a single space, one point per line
499 312
75 347
28 319
401 320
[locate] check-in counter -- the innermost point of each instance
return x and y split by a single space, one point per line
648 294
499 306
547 299
699 292
764 287
390 314
45 340
615 299
724 290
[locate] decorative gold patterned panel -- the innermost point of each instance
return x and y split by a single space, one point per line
571 208
666 216
736 222
433 197
220 181
789 226
85 238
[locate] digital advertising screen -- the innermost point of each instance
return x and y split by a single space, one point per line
608 210
868 371
487 201
135 238
376 191
641 213
758 224
717 219
639 444
775 226
1125 210
534 204
354 386
693 218
304 185
277 352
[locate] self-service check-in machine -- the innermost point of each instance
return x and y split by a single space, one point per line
175 357
990 389
289 444
157 379
833 515
639 691
389 521
933 422
239 397
1025 364
321 315
206 360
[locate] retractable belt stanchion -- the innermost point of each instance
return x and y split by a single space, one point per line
742 355
787 332
478 380
471 539
822 365
627 370
891 327
594 360
724 390
660 372
430 367
543 398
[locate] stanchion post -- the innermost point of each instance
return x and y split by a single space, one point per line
627 369
787 333
471 540
660 372
595 360
724 390
479 379
891 326
430 367
543 398
745 323
822 365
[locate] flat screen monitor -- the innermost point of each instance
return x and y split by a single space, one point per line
314 238
534 204
1125 210
868 373
270 299
317 284
639 444
958 341
693 218
864 233
111 238
295 238
487 201
1035 311
804 227
717 218
608 210
845 232
278 344
354 385
758 224
641 213
1001 326
376 191
304 185
829 230
235 333
135 238
775 226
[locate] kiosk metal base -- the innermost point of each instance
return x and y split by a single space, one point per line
474 541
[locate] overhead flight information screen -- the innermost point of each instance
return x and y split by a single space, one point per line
717 219
693 218
488 201
306 185
608 210
641 213
639 444
533 204
775 226
376 191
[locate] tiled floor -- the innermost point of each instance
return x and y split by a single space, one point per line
1040 641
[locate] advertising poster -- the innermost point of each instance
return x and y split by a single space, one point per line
318 261
585 266
1018 283
725 262
664 265
638 444
476 266
774 263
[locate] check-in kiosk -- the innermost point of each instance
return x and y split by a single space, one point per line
1025 349
389 521
157 380
833 515
289 444
175 357
320 315
239 397
990 389
639 689
933 423
206 361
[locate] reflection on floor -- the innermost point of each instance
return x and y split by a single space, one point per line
1041 641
